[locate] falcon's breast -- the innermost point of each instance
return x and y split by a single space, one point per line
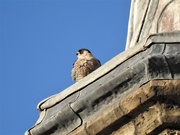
83 67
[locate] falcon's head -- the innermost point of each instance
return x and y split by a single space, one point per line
83 53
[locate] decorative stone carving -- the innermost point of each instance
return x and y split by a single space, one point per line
149 17
170 132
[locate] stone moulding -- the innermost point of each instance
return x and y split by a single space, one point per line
101 93
146 110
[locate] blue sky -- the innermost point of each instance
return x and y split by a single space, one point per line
38 44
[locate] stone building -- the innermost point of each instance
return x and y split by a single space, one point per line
135 93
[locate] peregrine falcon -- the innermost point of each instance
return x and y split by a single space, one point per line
84 65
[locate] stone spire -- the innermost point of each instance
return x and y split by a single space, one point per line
148 17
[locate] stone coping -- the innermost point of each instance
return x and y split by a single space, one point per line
110 65
155 58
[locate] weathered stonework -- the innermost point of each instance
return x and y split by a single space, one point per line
151 109
170 132
149 17
141 95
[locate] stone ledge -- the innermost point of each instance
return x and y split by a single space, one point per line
160 38
154 59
